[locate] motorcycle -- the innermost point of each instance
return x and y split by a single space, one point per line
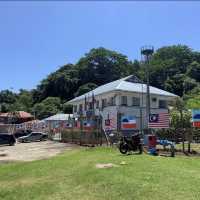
132 143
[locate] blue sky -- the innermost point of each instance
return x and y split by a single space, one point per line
38 37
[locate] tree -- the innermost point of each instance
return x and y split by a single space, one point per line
85 88
24 101
7 96
101 66
168 67
189 84
181 119
194 71
194 102
62 83
97 67
192 98
175 84
5 107
49 106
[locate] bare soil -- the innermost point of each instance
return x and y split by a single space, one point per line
33 151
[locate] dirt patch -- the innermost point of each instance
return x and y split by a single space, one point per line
33 151
107 165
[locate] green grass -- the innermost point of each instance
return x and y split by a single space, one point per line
73 176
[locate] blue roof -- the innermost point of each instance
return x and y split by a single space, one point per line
124 85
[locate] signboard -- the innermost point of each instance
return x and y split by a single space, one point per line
107 122
128 122
77 124
196 118
67 124
88 124
89 113
110 121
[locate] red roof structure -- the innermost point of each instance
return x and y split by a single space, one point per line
18 117
24 115
19 114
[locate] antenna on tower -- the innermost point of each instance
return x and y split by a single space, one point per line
146 54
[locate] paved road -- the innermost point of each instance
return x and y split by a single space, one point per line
32 151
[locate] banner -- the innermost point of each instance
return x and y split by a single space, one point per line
67 125
128 122
110 122
88 124
196 118
77 124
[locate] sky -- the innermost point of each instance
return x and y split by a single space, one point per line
38 37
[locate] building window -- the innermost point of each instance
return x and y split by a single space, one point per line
97 104
112 101
135 101
124 100
80 107
162 104
75 108
104 103
90 105
154 99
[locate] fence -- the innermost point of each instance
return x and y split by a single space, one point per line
7 128
187 140
83 137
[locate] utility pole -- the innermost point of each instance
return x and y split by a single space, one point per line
146 53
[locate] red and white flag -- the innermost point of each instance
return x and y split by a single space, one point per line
88 125
128 122
160 120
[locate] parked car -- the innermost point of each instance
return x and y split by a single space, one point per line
21 133
7 139
33 137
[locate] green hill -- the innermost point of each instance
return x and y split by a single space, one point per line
173 68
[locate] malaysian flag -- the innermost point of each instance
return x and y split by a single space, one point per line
160 120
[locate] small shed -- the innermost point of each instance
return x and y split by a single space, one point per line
56 123
59 117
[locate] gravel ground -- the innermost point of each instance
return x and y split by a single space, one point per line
32 151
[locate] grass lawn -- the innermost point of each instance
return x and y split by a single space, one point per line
73 175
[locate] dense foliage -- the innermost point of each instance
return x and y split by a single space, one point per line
173 68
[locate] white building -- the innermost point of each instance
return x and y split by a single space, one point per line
121 98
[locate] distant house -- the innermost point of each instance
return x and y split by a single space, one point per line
58 117
115 100
55 123
17 117
57 120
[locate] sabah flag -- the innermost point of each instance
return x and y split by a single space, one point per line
87 124
196 118
128 122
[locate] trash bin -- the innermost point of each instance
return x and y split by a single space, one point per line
150 142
